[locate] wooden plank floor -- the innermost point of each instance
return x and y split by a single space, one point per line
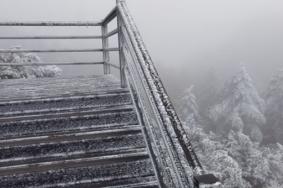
49 87
71 132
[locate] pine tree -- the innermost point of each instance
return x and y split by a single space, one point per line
255 167
216 159
233 157
274 154
207 91
189 104
274 108
208 146
10 72
240 108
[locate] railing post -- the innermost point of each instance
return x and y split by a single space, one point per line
122 58
106 57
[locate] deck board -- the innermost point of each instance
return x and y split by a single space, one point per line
54 87
71 132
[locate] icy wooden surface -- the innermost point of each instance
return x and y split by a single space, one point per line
71 132
54 87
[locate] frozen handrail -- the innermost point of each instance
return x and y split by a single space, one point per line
51 63
112 14
178 138
104 37
159 93
50 37
49 23
57 50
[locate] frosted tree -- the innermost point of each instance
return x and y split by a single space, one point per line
216 159
237 161
255 167
274 155
208 146
261 166
234 158
37 71
189 104
207 91
190 114
240 108
274 108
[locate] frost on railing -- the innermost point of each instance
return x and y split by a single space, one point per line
189 164
170 120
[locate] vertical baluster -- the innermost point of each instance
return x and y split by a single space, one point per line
106 57
122 58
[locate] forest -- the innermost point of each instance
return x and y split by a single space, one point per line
236 131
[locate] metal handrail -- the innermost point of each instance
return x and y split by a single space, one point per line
150 72
111 15
58 50
172 156
49 23
54 63
49 37
111 33
143 79
105 35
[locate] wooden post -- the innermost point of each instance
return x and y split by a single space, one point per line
106 57
122 58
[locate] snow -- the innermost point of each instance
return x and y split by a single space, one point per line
36 71
274 109
240 107
166 111
189 103
16 89
236 158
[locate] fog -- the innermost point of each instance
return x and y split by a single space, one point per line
236 132
186 38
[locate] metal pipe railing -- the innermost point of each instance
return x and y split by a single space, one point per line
171 128
49 37
158 119
111 33
105 35
114 66
153 79
49 23
105 44
58 50
55 63
112 14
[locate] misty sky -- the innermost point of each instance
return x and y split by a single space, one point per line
186 38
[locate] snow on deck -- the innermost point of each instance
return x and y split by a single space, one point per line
51 87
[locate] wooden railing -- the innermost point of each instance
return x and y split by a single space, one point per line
176 163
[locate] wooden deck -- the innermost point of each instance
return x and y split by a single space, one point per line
59 86
71 132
